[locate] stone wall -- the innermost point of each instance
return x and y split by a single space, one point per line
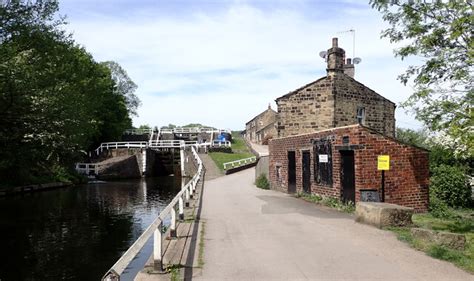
350 95
266 134
406 183
332 101
190 166
261 126
308 109
262 166
121 167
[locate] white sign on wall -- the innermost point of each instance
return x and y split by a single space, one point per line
323 158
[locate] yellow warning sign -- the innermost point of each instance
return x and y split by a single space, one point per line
383 162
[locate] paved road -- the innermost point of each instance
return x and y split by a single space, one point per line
262 150
253 234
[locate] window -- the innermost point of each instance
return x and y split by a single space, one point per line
323 162
361 115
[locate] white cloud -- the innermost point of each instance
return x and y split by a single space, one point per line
222 69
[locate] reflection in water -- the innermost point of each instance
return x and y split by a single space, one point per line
77 233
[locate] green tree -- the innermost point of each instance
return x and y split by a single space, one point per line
441 32
55 100
124 86
144 127
409 136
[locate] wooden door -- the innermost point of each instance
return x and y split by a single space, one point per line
347 176
306 172
291 172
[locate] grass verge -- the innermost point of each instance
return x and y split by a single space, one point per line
239 151
238 143
201 245
462 222
220 158
328 201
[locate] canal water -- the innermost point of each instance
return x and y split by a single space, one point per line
78 233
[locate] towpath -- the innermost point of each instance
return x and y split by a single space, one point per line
253 234
212 171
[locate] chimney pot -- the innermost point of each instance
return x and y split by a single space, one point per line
349 61
334 42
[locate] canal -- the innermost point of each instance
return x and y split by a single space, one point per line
78 233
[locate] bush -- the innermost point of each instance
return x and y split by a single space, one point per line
440 155
450 185
438 208
262 182
223 149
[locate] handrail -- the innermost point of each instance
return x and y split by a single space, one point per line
189 130
240 162
120 144
151 136
159 133
159 144
167 143
221 143
155 227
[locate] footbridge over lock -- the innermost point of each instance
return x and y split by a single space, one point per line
155 152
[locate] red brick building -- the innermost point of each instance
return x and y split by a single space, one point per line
342 163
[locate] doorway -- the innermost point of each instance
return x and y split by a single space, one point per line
291 172
306 172
347 175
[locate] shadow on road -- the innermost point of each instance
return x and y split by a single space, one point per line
288 205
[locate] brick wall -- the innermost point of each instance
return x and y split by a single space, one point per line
406 183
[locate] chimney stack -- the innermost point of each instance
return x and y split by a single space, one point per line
335 59
349 68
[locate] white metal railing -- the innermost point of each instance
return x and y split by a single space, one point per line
120 144
240 162
151 136
159 133
221 143
191 130
167 143
155 228
159 144
87 168
138 131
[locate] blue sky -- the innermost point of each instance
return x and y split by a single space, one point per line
220 63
